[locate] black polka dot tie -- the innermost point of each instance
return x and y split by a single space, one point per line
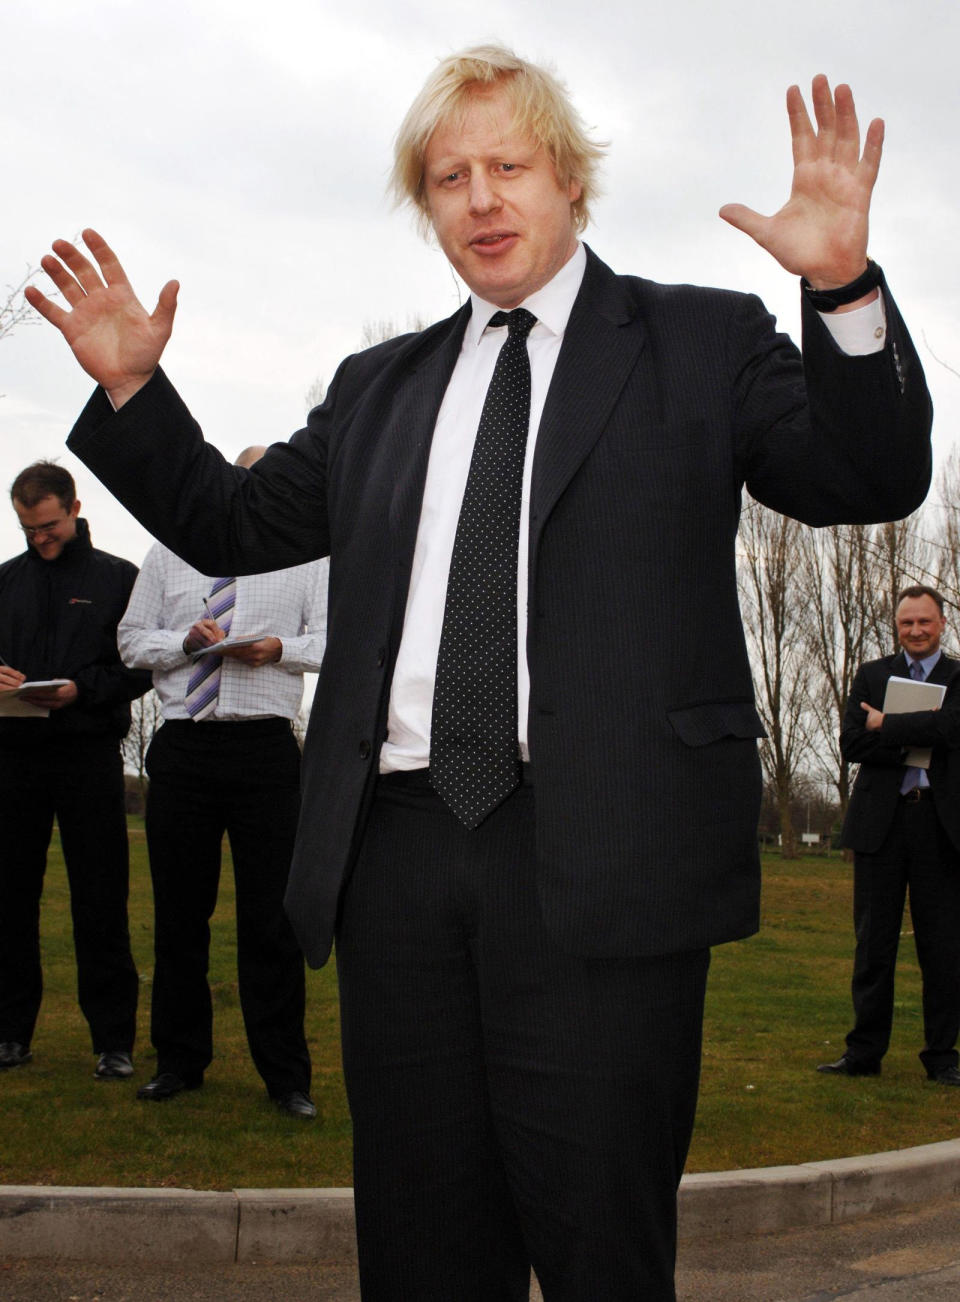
474 762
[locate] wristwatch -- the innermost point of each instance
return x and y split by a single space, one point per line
828 300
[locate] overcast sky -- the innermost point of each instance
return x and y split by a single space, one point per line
243 148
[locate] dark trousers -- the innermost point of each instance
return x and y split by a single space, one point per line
79 781
206 779
919 856
512 1104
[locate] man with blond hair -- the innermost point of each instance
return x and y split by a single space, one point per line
531 782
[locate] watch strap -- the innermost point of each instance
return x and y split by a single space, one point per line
828 300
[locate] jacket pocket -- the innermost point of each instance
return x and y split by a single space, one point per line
699 725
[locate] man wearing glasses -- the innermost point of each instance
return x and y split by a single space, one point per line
60 602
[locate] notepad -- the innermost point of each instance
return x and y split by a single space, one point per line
217 648
13 706
904 696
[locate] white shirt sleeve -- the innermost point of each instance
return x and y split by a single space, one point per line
303 653
142 640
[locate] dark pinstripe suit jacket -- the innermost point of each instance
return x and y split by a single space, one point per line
665 401
880 752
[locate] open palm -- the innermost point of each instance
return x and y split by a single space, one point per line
821 231
112 335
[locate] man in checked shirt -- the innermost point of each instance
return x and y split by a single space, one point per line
225 760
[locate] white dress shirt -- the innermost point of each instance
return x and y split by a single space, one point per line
411 696
167 599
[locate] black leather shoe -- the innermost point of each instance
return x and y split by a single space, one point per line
114 1065
948 1076
165 1086
850 1067
297 1104
13 1054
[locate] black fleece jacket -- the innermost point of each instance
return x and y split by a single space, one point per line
58 619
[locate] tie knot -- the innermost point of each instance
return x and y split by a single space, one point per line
519 322
916 670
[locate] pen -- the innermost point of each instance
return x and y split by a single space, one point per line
210 614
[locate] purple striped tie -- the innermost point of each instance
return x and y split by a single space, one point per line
204 685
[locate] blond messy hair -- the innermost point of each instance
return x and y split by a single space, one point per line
541 109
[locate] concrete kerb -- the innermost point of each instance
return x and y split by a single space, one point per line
774 1198
291 1225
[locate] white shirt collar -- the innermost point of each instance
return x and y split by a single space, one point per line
927 662
551 305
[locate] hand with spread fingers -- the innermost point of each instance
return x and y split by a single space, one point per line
821 231
112 335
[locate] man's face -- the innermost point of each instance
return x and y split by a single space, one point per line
500 215
47 525
920 626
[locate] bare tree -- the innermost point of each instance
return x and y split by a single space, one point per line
836 571
145 720
373 332
14 308
316 393
947 533
377 332
773 609
900 554
300 723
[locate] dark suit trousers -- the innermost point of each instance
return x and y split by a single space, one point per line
206 779
79 781
512 1104
919 856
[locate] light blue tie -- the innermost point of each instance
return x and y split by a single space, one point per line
914 777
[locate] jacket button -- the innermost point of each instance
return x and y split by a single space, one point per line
365 750
381 657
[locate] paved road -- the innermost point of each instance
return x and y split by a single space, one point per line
911 1256
903 1257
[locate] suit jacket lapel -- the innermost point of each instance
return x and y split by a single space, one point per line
601 344
943 671
899 667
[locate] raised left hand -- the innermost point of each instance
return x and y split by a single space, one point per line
821 231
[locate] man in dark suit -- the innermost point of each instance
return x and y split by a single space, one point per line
903 825
525 826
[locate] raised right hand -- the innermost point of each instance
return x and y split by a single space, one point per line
112 335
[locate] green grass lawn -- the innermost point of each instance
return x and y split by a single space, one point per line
777 1005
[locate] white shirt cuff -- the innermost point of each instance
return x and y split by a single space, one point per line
861 331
